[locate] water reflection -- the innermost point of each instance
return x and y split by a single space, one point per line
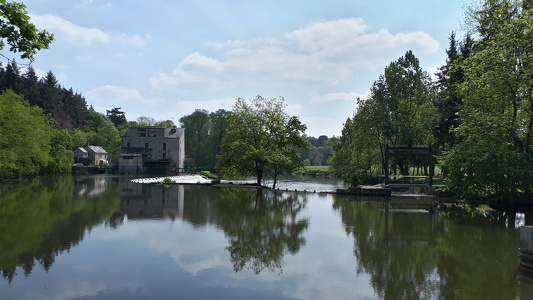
44 217
261 225
410 253
228 243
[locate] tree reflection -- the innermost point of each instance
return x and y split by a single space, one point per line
262 226
411 254
42 218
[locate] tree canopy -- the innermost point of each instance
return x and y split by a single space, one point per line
398 111
262 139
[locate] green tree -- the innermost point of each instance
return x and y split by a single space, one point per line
61 155
399 110
18 33
25 135
116 116
107 136
497 107
262 139
218 125
196 136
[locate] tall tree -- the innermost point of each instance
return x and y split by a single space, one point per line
399 111
196 134
262 139
116 116
497 108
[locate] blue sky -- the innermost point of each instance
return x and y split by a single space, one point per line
164 59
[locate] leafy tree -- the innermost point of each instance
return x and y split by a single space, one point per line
108 137
18 33
261 139
25 135
61 155
399 111
165 123
116 116
145 121
497 108
218 125
196 136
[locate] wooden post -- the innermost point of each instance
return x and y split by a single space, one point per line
386 167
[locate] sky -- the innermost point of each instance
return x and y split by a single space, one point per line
164 59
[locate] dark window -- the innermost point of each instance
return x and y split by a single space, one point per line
141 134
128 144
145 145
152 134
164 146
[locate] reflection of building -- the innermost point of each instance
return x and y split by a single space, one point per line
143 201
90 187
91 155
152 149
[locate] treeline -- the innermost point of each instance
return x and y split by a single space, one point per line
478 115
42 122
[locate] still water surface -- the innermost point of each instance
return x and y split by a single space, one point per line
103 237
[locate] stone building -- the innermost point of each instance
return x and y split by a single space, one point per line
91 155
152 149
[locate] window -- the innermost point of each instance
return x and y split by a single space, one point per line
152 134
128 144
145 145
164 146
164 155
141 134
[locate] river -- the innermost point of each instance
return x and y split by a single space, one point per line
104 237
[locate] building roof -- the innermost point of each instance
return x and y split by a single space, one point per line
81 150
96 149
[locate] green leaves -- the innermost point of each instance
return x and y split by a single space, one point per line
17 32
262 139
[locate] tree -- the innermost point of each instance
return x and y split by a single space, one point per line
196 134
18 33
218 125
497 103
399 111
116 116
262 139
25 135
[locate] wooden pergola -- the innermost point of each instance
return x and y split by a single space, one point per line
407 180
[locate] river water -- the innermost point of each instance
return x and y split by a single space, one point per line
103 237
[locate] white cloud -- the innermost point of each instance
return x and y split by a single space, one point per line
83 36
323 54
115 96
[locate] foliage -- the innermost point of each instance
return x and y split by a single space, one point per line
66 107
488 170
495 130
262 139
25 136
196 136
398 111
320 151
18 33
116 116
203 135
